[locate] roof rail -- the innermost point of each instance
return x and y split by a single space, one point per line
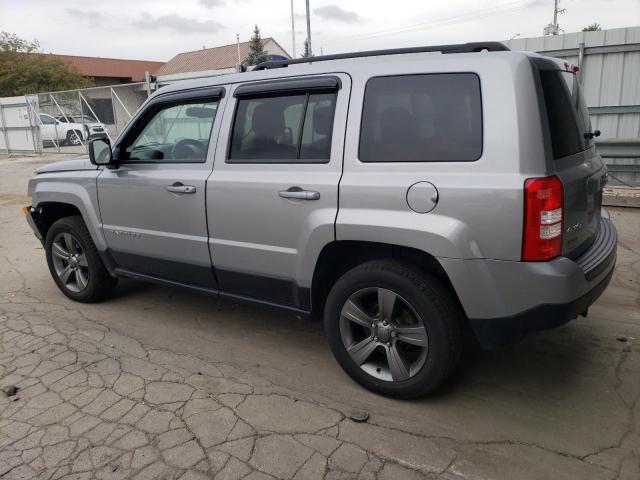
456 48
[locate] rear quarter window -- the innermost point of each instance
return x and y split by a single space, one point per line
422 118
567 114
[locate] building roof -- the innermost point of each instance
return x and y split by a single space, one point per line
109 67
217 58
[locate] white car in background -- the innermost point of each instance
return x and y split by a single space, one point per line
70 129
92 127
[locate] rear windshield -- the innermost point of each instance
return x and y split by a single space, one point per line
567 113
422 118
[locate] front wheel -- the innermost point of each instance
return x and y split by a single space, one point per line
74 137
394 329
74 262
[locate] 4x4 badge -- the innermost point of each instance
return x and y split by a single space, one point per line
574 227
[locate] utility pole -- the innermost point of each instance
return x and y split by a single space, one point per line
239 67
553 28
309 29
293 32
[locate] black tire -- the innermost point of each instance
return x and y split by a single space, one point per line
70 135
99 282
431 301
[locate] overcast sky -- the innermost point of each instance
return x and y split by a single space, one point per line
159 29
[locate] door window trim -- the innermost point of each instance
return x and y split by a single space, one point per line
154 105
289 86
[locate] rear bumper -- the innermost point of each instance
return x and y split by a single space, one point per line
492 332
505 300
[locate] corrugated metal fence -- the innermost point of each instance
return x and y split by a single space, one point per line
609 62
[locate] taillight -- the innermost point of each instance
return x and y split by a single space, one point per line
543 202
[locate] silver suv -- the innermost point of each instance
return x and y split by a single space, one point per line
406 198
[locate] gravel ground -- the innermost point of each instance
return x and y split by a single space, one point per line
164 383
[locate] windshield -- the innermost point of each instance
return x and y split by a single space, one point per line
567 113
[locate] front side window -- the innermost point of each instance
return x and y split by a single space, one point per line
422 118
47 120
177 132
283 129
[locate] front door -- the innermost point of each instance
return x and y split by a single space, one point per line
272 199
153 205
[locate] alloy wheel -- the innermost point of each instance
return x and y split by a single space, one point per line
70 262
383 334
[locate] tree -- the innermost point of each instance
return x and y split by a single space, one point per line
594 27
256 52
306 52
23 69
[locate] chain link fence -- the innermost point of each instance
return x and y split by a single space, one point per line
69 119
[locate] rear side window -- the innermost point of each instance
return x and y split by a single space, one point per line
422 118
567 113
283 129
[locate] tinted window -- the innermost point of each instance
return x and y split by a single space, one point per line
175 133
283 129
422 118
47 120
567 113
318 126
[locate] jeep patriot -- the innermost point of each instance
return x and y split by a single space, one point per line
410 199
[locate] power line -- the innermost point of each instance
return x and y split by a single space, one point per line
512 6
504 8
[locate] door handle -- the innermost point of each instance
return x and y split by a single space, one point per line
180 188
299 194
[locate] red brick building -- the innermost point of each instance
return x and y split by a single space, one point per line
109 71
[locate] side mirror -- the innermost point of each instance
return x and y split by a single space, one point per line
100 151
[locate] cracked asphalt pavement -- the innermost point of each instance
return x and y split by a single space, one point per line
163 383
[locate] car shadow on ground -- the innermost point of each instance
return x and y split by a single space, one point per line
552 360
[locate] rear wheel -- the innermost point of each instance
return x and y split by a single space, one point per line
393 329
74 262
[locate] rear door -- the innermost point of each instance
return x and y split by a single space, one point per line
272 199
572 155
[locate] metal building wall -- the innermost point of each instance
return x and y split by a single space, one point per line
610 74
